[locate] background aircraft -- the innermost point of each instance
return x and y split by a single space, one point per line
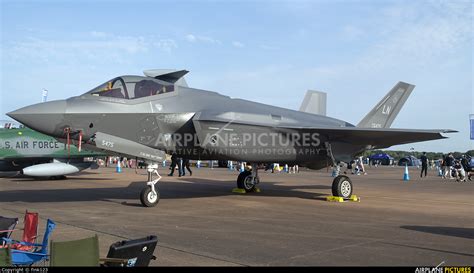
148 116
35 154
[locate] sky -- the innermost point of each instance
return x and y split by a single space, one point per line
265 51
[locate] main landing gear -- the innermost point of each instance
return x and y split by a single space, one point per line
150 196
247 180
341 185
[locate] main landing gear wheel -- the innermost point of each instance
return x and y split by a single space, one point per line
243 181
148 198
342 186
247 180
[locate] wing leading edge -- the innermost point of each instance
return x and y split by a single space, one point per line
378 138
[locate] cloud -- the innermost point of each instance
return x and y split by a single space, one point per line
410 36
238 44
203 39
166 44
191 38
95 45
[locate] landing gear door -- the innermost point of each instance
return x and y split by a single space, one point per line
127 147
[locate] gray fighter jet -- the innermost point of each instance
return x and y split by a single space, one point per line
149 116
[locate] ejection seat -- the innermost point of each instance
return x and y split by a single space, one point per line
145 88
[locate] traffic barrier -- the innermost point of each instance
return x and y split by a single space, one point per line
406 175
118 169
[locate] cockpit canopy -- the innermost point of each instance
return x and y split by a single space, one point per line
132 87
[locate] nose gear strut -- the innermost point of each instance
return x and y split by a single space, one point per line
150 196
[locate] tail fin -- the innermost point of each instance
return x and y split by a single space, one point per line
314 102
388 108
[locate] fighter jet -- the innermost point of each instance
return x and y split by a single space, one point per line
34 154
148 116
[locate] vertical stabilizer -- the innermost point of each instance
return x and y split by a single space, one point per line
314 102
387 109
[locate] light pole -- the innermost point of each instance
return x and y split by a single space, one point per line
45 95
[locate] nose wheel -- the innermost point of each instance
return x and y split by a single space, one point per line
150 196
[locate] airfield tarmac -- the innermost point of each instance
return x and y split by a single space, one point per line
199 221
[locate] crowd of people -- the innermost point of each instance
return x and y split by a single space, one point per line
114 160
451 168
275 167
447 167
182 163
356 167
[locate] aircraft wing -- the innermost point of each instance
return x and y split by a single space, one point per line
375 137
124 146
378 138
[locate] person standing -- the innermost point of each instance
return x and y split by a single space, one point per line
293 169
184 165
444 166
459 171
424 164
450 165
180 166
465 164
174 162
360 165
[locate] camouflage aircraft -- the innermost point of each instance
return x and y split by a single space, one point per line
35 154
148 116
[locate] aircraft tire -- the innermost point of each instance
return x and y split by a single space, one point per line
148 199
241 181
342 186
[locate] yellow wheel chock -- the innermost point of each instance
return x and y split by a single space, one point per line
353 198
242 191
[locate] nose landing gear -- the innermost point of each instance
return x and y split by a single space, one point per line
150 196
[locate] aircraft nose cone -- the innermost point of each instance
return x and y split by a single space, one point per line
43 117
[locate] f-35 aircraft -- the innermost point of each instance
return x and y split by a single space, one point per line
148 116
